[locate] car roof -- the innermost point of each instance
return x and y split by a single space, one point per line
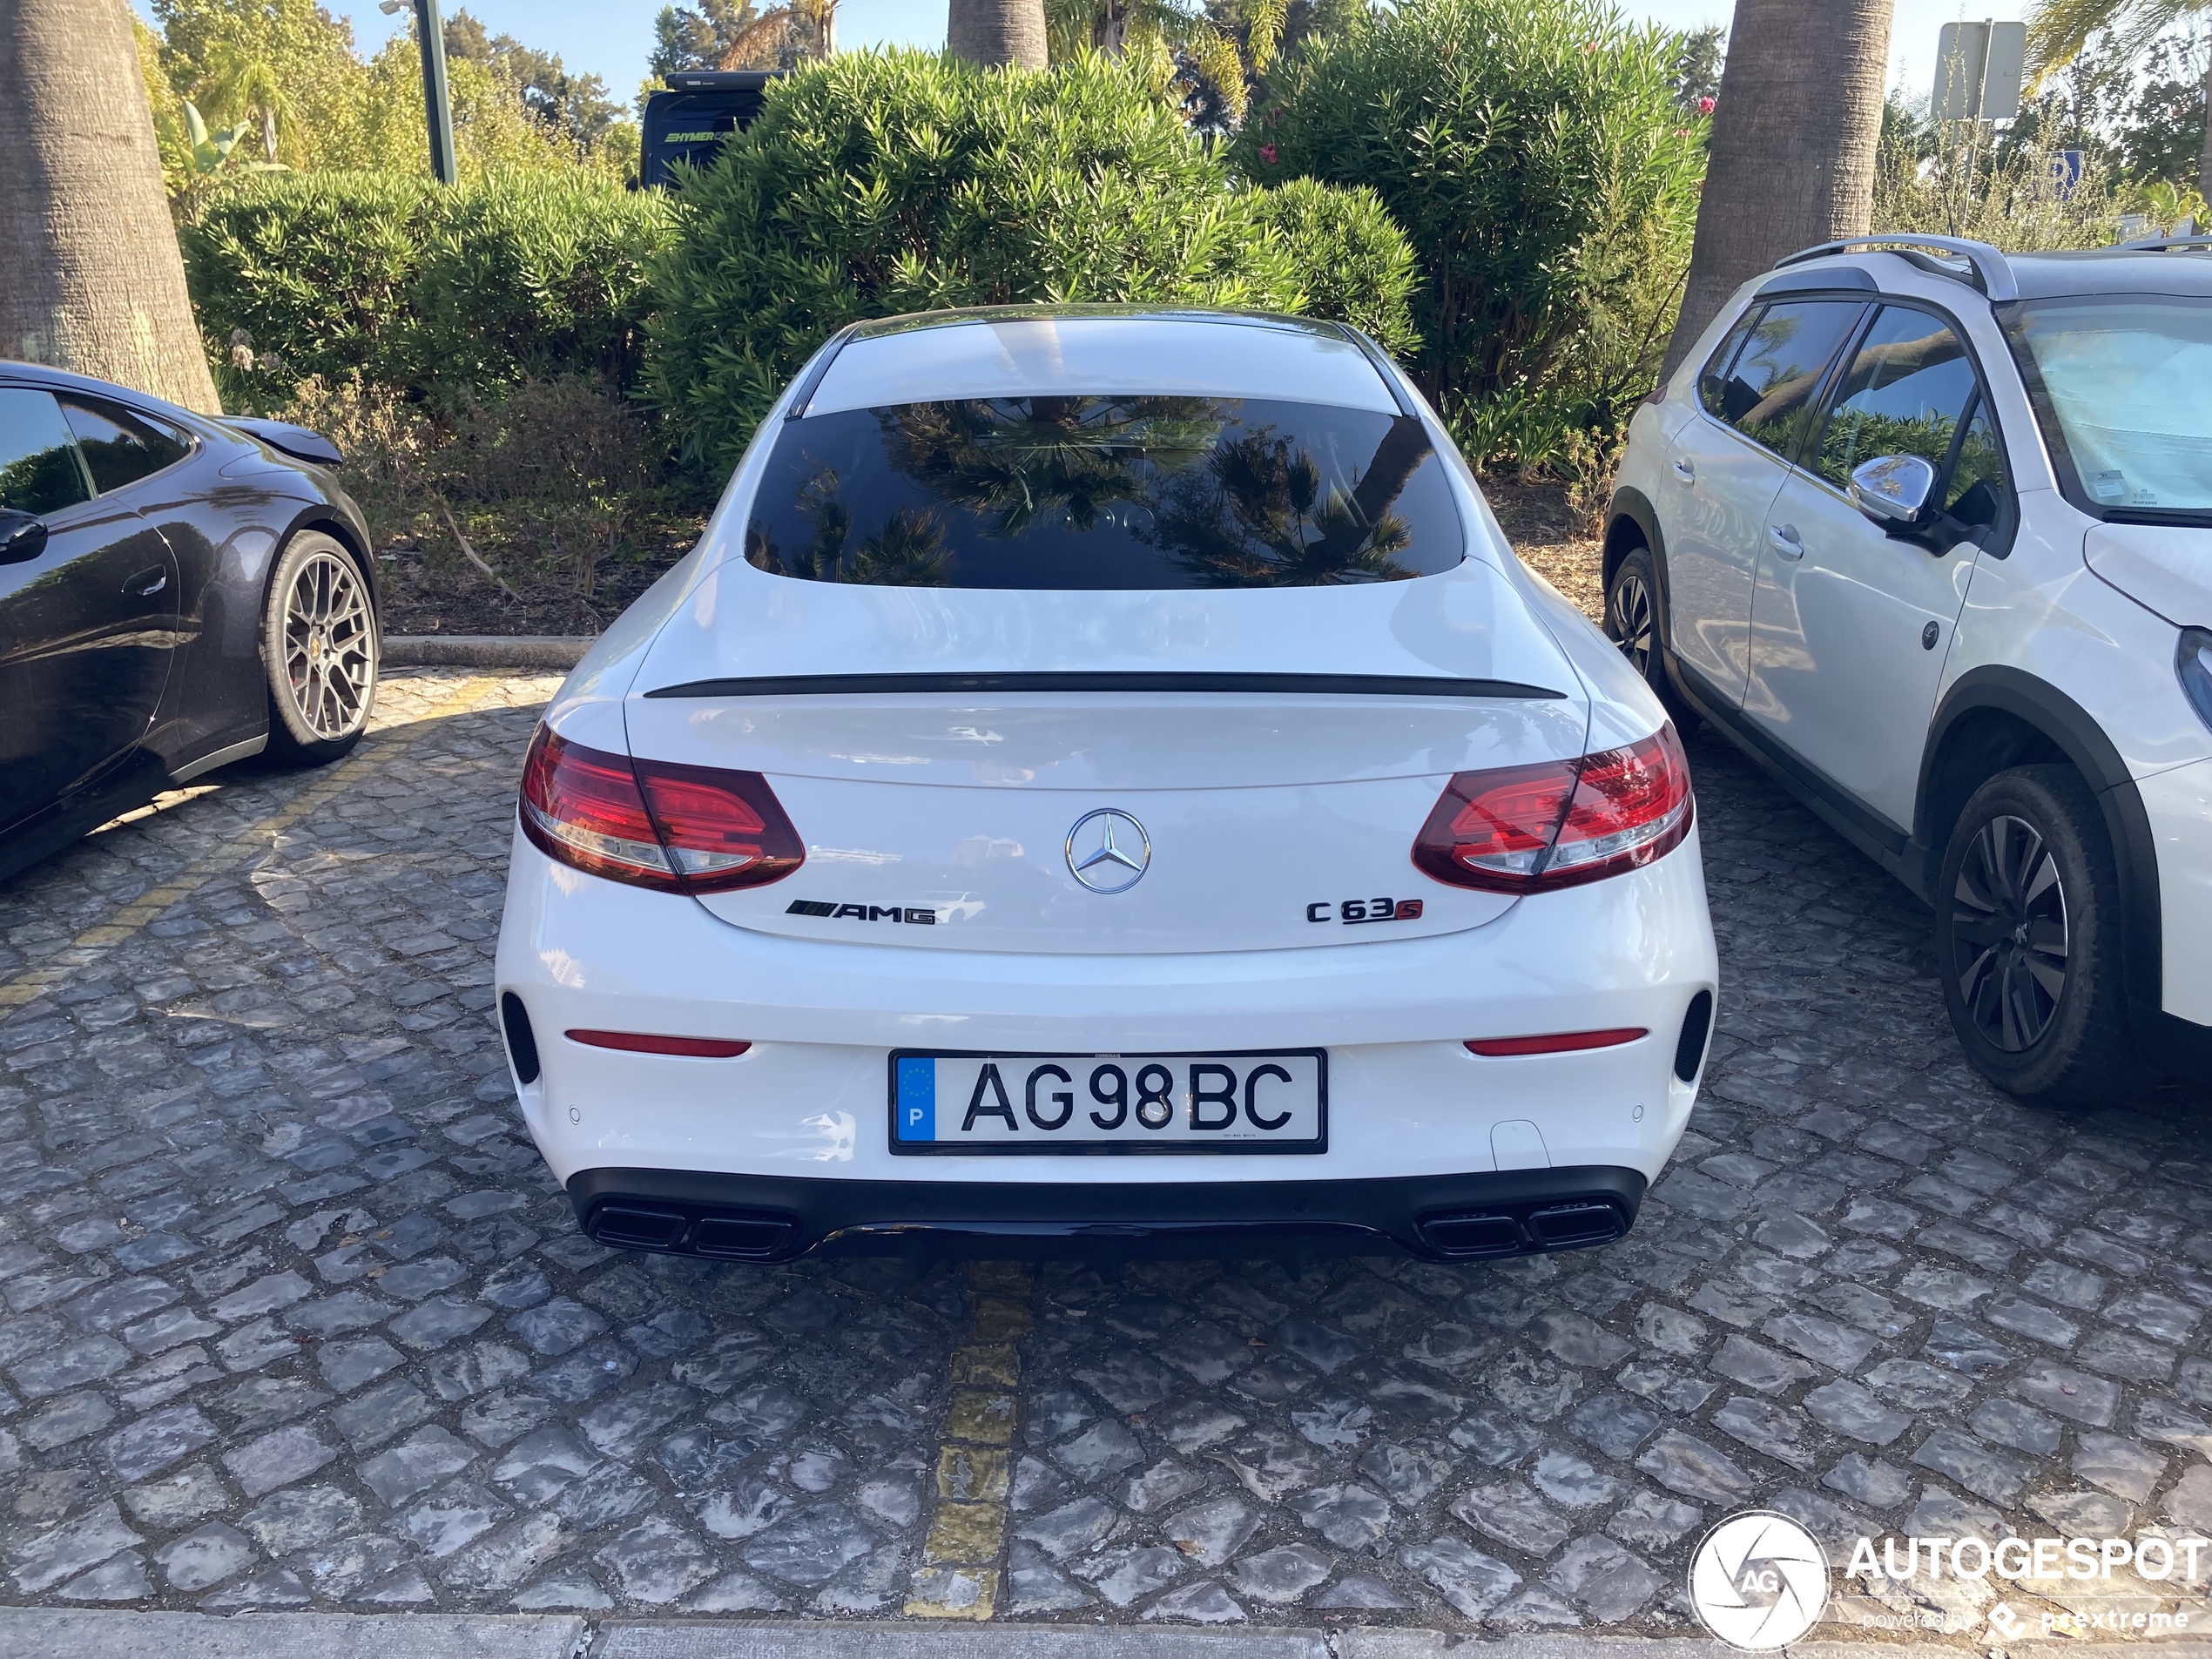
1017 350
63 379
2181 269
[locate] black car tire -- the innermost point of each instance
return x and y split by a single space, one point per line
2028 942
320 650
1635 620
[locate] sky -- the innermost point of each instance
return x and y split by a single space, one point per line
612 38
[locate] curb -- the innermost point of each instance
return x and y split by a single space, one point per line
41 1633
485 650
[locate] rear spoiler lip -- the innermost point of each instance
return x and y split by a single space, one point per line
939 683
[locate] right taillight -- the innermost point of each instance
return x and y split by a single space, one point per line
653 823
1522 829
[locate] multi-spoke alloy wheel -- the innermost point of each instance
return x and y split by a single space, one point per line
2029 941
320 645
327 660
2008 923
1632 619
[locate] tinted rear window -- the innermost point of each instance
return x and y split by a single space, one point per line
1097 492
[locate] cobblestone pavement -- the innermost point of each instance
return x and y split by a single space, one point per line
295 1315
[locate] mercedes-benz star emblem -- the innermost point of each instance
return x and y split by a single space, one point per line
1108 851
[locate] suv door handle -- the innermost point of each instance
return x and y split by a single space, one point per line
1684 471
1785 540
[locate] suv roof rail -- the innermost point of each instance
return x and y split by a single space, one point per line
2161 244
1992 273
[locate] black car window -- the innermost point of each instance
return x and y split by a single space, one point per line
1712 380
1095 492
1975 493
40 471
120 446
1903 392
1771 382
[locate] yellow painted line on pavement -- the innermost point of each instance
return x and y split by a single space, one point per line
97 941
961 1576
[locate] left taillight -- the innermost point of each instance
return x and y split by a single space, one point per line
653 823
1524 829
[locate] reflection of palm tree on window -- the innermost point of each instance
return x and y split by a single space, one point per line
1260 516
1015 462
908 551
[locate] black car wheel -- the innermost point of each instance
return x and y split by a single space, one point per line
2028 941
319 645
1633 621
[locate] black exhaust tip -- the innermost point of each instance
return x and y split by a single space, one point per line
745 1238
1696 1026
521 1041
631 1227
1464 1237
1562 1226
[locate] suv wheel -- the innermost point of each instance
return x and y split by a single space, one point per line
318 645
2028 941
1632 622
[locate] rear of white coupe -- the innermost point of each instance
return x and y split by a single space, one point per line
1103 775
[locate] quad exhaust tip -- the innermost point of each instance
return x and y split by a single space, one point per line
743 1238
1558 1226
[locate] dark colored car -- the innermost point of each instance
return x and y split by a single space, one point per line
177 592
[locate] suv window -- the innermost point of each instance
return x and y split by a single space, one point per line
120 446
40 471
1769 387
1975 494
1904 391
1088 491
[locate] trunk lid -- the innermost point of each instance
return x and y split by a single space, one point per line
1271 754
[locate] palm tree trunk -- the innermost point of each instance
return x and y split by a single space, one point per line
90 276
1794 135
997 31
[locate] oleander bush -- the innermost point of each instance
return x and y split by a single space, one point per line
440 295
1542 169
880 183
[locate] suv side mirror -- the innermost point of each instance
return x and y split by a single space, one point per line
1893 490
23 537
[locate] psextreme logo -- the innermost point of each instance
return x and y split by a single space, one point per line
1759 1581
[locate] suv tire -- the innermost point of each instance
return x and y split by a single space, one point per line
1634 620
319 652
2028 942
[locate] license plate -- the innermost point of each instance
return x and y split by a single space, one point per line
1275 1102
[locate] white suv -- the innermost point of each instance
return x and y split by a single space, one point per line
1927 532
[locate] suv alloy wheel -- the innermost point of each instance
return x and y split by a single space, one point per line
2028 941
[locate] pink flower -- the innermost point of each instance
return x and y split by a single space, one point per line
1589 46
1704 107
1267 153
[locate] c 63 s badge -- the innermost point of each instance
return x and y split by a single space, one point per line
1352 913
913 915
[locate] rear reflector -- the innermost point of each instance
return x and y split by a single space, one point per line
1557 1042
643 1043
1522 829
654 823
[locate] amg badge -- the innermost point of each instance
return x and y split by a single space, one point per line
861 912
1352 912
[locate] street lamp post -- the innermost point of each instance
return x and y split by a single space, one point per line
437 101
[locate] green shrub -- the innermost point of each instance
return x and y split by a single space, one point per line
887 182
443 294
1539 165
318 269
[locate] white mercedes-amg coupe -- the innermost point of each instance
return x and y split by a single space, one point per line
1104 776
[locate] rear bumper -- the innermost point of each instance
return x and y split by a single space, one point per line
773 1218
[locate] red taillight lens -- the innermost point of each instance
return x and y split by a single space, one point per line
652 823
1524 829
1556 1042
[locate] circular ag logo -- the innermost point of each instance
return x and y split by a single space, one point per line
1759 1581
